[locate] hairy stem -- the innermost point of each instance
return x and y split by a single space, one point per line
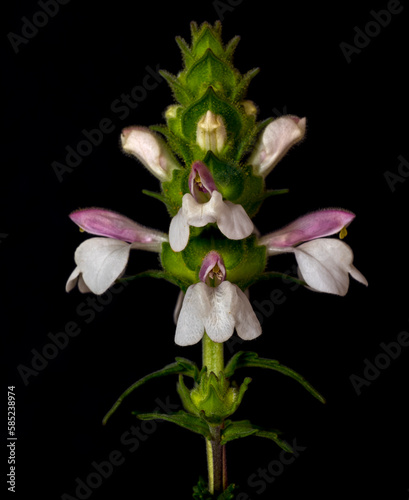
213 359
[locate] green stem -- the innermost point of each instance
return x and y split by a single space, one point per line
213 359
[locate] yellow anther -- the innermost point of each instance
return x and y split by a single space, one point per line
343 233
82 230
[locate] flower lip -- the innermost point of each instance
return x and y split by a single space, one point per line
309 227
201 182
212 269
103 222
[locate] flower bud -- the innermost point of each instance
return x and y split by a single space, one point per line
211 133
150 150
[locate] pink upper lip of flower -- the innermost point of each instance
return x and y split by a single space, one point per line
212 260
206 179
103 222
308 227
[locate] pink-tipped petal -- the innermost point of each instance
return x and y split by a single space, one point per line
277 138
150 150
308 227
102 222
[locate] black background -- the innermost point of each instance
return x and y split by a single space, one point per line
65 80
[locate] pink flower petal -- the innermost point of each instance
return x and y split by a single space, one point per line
102 222
209 262
308 227
206 179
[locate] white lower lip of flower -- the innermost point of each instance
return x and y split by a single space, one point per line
100 262
325 265
231 219
216 311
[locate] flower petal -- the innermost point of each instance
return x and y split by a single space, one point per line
211 260
308 227
232 219
325 264
200 214
179 231
102 222
101 261
72 280
219 324
206 179
276 139
150 150
190 326
247 325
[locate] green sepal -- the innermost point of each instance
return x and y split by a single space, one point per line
241 88
181 418
244 428
210 70
201 492
181 366
213 398
180 92
157 196
251 359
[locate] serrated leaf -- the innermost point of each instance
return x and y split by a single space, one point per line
181 366
181 418
251 359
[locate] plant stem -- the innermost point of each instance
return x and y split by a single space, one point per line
213 359
212 355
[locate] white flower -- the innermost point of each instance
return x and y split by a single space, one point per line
204 205
150 150
101 261
323 263
276 139
211 133
216 310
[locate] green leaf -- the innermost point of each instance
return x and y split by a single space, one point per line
181 366
236 430
181 418
157 196
244 428
200 492
250 359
